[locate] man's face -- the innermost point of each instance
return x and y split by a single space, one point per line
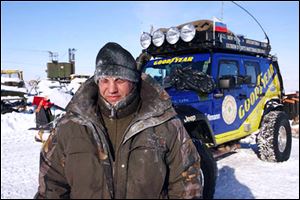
114 89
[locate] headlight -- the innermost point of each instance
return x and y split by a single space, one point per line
187 32
158 38
145 40
173 35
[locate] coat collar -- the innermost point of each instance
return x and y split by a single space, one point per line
156 103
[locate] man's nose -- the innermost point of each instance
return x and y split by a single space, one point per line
112 87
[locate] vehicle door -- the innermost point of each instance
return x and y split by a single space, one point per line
249 111
227 100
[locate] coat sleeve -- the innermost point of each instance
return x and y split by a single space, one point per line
52 182
183 160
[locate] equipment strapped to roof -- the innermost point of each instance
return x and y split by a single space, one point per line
206 38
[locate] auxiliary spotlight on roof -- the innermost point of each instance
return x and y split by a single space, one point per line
173 35
145 40
187 32
158 38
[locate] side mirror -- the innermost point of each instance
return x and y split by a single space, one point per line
239 80
247 80
226 82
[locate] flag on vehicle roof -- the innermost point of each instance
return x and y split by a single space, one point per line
219 26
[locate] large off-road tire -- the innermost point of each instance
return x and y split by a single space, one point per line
209 169
275 138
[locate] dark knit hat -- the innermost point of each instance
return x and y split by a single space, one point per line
114 60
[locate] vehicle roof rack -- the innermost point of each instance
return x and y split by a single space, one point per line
206 41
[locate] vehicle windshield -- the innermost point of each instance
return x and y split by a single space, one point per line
162 72
11 75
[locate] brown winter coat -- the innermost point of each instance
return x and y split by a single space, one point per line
156 158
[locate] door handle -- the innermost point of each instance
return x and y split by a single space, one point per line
262 94
242 96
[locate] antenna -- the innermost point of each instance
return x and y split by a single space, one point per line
254 19
53 56
71 55
151 29
222 9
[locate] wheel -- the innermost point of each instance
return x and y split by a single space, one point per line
275 138
6 108
209 169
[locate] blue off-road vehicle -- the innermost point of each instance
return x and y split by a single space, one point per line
224 88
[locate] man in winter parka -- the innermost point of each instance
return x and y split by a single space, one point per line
120 138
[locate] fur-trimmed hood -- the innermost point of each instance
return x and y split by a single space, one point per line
156 105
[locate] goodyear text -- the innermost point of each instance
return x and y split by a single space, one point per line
173 60
254 95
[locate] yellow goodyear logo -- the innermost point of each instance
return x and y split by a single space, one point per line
250 101
173 60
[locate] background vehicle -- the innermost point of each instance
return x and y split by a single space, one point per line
224 88
12 91
61 70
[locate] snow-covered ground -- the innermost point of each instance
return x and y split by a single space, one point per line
241 175
19 156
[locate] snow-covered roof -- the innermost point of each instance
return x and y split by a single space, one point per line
7 79
13 88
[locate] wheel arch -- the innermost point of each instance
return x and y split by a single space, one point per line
273 104
196 124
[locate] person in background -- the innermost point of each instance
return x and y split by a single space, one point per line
120 138
43 112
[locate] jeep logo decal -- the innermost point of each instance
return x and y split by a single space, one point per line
189 118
